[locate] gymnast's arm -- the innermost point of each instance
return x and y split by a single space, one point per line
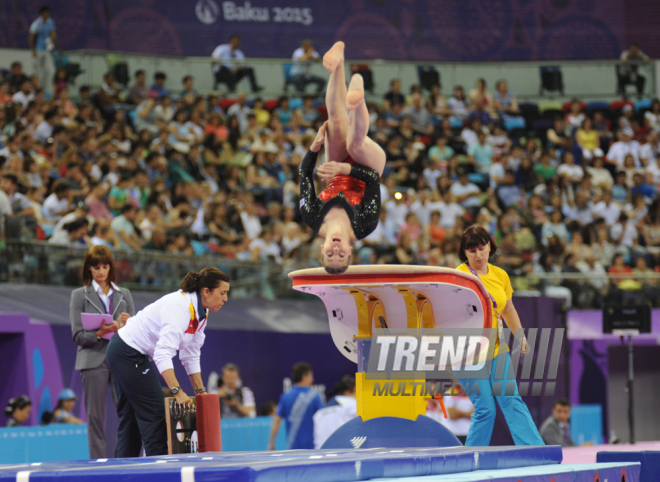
310 205
369 211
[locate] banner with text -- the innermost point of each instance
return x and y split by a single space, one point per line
435 30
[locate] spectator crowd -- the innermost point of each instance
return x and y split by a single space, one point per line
160 167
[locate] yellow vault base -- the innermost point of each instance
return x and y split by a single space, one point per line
396 399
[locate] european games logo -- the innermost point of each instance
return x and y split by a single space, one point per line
207 11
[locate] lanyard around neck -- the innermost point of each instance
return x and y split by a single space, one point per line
477 275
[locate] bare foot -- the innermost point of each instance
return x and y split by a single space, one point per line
334 56
355 95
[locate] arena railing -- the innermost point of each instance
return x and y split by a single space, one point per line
38 262
591 290
523 76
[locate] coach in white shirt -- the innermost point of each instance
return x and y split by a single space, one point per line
302 58
173 323
229 65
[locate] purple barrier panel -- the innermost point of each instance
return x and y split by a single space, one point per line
37 367
390 30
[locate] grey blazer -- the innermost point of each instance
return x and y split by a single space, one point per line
91 352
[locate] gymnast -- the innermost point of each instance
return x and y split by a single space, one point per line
348 209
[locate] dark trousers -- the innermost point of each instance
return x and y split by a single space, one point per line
226 76
140 407
302 80
637 80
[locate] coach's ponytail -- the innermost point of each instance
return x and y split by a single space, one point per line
207 278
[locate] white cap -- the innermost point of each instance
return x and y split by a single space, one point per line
181 147
598 152
419 146
628 131
627 108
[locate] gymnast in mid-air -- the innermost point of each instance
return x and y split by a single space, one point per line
348 209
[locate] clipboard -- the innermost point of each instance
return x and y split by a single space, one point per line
93 321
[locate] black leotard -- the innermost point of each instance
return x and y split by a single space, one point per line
363 217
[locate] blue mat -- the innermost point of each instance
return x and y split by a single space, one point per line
289 466
650 460
559 473
391 432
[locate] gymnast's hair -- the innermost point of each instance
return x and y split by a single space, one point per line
331 270
207 278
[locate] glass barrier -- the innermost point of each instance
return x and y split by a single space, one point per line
43 263
592 289
524 77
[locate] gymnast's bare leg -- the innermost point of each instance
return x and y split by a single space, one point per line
335 101
361 148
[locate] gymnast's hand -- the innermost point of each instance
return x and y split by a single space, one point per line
330 169
320 138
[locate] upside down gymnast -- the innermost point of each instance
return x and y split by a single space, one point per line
348 209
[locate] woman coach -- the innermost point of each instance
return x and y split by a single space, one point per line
99 295
476 247
174 322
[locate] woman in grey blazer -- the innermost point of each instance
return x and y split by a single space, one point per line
98 295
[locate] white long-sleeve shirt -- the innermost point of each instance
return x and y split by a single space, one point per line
166 326
226 53
329 419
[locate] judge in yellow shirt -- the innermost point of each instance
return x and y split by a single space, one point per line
476 247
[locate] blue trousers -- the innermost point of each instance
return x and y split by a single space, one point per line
515 411
140 405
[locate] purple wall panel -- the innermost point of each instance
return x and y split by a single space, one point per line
469 30
264 358
36 358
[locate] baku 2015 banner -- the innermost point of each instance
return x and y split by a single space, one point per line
429 30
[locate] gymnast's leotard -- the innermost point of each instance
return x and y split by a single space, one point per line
358 194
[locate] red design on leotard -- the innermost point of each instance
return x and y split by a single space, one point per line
352 188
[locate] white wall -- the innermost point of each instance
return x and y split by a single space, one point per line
589 80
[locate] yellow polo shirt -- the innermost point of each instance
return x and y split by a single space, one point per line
498 285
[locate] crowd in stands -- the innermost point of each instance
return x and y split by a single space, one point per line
161 167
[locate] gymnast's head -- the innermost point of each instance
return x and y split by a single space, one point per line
336 253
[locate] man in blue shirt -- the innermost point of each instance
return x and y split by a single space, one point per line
158 90
43 40
641 187
297 407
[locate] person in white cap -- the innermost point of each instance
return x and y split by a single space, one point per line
626 145
626 116
63 413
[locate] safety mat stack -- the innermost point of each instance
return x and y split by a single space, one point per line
292 465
